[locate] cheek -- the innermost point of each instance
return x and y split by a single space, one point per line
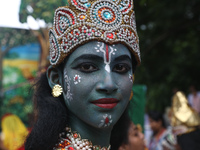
131 78
76 79
125 84
134 141
80 85
67 89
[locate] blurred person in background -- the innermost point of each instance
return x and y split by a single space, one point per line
169 142
2 147
127 136
158 128
194 98
14 132
185 122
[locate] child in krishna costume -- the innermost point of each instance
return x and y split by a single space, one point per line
85 92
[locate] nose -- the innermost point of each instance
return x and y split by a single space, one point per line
107 83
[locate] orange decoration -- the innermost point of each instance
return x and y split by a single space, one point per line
82 17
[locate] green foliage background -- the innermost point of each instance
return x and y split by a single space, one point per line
22 105
169 41
15 93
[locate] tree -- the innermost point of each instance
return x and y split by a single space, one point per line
10 38
14 96
169 41
41 10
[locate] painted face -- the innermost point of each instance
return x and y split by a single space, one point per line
96 84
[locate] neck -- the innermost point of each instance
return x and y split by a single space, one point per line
97 136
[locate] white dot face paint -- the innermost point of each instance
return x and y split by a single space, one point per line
77 79
107 54
131 78
69 94
106 121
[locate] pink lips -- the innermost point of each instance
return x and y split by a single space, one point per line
106 102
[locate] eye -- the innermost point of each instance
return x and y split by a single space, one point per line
136 133
121 68
87 67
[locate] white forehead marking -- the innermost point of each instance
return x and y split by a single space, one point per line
107 54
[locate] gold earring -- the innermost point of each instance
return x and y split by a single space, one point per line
131 96
57 90
133 78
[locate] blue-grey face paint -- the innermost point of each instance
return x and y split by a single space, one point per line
77 79
106 121
68 95
93 93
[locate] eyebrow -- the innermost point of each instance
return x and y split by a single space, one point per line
96 57
123 57
88 56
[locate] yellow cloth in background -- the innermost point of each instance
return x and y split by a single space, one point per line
14 132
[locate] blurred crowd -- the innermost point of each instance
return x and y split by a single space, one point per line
176 129
179 127
13 133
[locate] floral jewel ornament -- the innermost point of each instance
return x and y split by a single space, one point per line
69 140
57 90
81 21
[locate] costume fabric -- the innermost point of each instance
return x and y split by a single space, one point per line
194 101
156 142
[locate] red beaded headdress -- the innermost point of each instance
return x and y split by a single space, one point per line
110 21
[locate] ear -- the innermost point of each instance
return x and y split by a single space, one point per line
54 76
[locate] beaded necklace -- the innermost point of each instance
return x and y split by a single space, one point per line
69 140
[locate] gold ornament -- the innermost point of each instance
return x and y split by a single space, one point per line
57 90
183 114
133 78
81 21
131 96
73 140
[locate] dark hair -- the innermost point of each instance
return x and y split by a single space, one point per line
157 116
119 134
189 140
134 62
51 117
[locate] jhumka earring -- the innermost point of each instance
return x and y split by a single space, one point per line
131 96
57 90
133 78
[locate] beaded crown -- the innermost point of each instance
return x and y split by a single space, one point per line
81 21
